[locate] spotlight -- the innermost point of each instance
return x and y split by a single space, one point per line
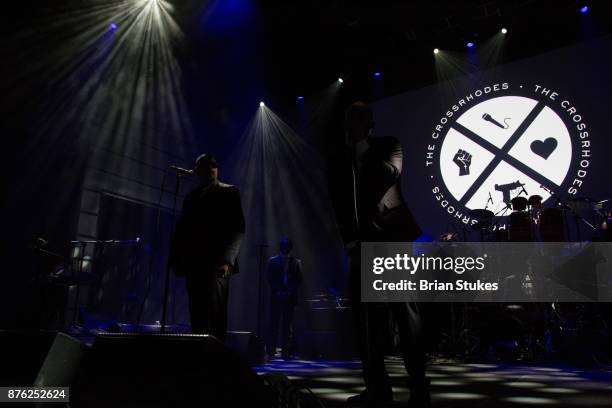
377 74
470 45
112 27
262 104
340 80
504 31
584 9
300 98
436 50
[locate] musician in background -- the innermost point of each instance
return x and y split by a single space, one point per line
205 247
284 275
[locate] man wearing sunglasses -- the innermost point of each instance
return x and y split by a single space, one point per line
205 247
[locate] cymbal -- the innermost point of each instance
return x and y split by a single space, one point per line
583 199
585 203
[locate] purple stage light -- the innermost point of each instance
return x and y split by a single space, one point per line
470 45
584 9
112 27
377 74
300 98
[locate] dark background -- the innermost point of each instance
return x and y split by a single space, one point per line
89 114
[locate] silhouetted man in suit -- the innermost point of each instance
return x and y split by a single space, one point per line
365 190
284 275
205 247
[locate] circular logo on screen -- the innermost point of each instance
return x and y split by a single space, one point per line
499 142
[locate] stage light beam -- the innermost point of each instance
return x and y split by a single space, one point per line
470 45
584 9
340 80
436 51
262 104
504 31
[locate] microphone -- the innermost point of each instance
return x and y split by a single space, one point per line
489 118
134 241
181 170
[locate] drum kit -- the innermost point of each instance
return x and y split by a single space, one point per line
530 221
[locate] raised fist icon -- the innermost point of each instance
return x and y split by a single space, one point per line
463 160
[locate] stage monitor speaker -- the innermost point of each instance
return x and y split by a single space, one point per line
21 355
247 345
165 370
62 362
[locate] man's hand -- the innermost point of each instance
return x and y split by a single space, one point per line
463 160
223 271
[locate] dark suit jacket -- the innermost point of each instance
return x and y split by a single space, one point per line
368 199
209 230
275 276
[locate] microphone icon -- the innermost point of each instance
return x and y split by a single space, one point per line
489 118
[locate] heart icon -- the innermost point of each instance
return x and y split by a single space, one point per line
544 148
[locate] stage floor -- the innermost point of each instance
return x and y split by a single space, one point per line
457 384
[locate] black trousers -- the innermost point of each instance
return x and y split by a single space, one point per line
281 313
208 296
371 327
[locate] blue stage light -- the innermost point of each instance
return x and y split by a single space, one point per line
584 9
112 27
377 74
300 98
470 45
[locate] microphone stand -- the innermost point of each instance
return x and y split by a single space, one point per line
261 248
162 329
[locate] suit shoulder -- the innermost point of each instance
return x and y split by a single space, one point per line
387 145
228 187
